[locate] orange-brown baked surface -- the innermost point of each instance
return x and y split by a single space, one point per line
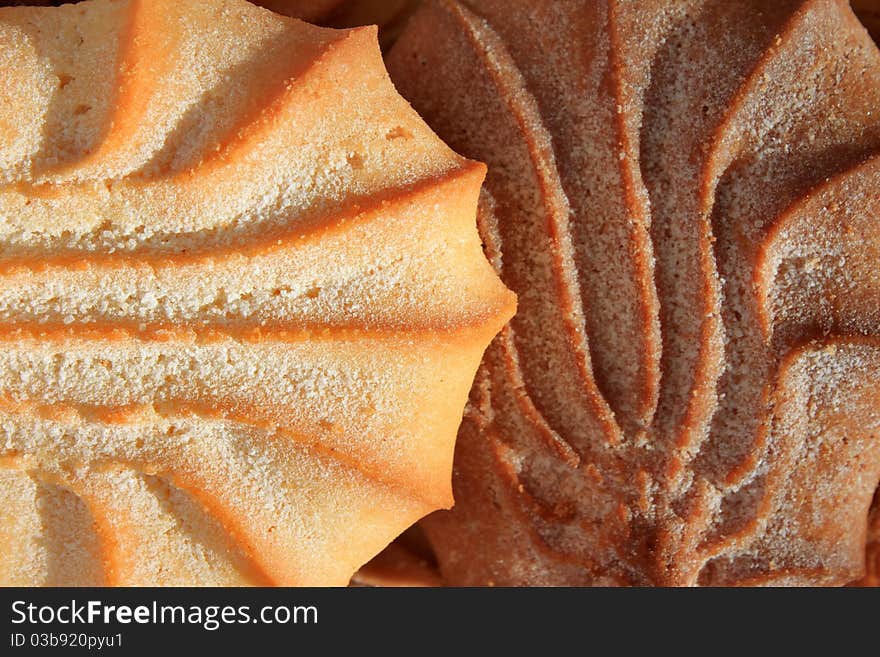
684 197
242 298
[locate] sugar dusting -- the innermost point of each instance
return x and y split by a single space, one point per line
736 346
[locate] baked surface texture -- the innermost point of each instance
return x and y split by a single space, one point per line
242 298
684 197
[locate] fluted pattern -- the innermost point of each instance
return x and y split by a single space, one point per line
683 195
242 298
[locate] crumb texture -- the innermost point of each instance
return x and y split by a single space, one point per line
684 197
242 298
